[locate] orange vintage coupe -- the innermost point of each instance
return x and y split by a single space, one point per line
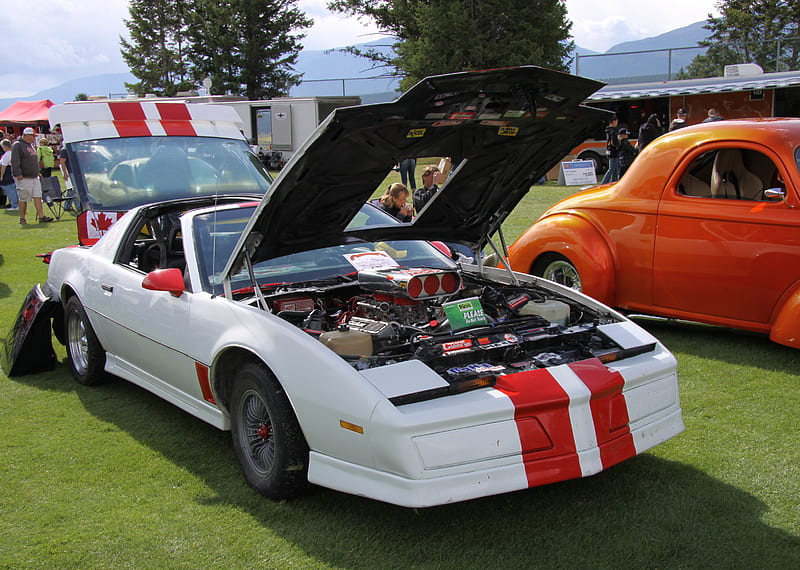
704 226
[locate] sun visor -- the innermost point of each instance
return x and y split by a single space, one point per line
81 121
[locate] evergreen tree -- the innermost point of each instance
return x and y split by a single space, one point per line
247 47
156 51
764 32
441 36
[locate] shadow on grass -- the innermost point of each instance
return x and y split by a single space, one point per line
646 512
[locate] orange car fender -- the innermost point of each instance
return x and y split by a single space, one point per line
786 324
575 238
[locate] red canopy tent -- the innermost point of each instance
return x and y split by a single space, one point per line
25 114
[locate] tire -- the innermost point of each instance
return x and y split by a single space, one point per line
87 359
600 165
556 267
267 439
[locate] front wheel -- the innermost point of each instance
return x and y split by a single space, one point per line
267 438
558 268
87 358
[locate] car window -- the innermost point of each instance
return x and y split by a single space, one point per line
217 233
730 173
121 173
797 157
154 243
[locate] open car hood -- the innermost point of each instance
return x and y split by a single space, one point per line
503 128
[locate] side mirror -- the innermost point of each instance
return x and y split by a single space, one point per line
774 194
169 280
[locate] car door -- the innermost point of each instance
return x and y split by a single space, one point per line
723 250
146 333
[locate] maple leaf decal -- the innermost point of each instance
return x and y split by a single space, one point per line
102 222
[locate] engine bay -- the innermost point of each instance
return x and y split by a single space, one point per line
461 325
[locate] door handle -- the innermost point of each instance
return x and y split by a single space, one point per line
107 288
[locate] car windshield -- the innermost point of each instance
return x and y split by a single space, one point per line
217 233
121 173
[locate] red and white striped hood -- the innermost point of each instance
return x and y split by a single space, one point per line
83 121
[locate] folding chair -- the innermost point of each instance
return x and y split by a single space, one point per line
56 200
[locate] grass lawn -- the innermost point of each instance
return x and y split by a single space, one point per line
114 477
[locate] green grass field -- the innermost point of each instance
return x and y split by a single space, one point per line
113 477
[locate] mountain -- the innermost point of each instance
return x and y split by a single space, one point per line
109 84
334 72
640 67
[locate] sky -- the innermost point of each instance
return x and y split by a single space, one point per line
49 43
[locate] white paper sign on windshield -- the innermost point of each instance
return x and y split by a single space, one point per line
371 260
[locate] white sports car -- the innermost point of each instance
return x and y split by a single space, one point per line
341 347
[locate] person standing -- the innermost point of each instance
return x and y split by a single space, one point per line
46 159
626 151
407 168
25 167
46 164
713 116
612 151
679 121
649 132
7 177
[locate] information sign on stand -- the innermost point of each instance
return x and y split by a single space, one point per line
577 173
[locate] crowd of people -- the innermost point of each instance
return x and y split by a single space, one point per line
621 153
26 168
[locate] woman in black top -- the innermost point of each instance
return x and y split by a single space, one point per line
649 132
395 202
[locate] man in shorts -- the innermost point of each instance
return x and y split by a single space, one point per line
25 168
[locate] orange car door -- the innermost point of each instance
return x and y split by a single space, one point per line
728 258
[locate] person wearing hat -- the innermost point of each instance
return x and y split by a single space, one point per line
25 168
626 151
679 121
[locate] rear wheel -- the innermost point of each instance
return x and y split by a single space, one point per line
556 267
267 439
600 165
87 358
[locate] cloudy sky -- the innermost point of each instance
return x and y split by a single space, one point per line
48 43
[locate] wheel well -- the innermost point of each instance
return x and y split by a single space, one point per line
58 314
545 258
224 369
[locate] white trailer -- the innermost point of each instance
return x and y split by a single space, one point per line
279 126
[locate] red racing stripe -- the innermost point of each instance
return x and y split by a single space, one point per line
536 394
176 120
609 410
178 128
127 111
132 128
173 112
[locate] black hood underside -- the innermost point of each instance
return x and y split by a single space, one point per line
504 129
